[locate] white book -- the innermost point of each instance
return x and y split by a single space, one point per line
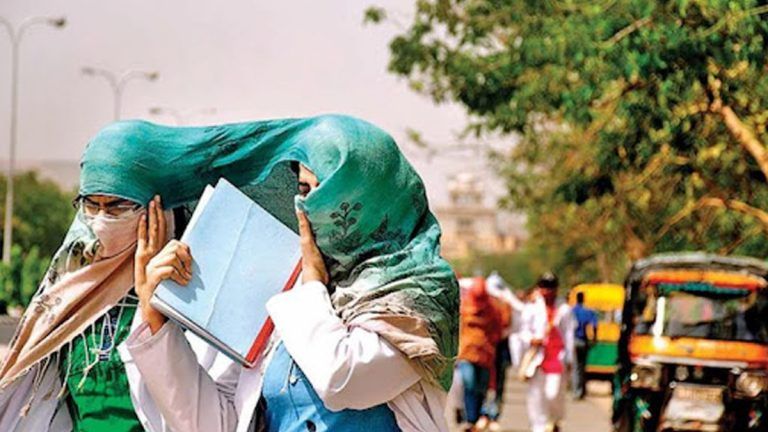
241 257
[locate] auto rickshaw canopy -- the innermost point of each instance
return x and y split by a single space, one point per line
604 297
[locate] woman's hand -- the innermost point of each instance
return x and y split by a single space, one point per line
153 265
313 266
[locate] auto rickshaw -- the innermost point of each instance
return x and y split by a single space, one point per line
607 300
693 350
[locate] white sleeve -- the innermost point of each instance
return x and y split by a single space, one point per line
539 321
186 396
570 334
517 304
349 367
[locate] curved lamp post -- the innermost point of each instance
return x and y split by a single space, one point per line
117 82
16 34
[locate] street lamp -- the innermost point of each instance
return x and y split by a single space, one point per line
16 35
117 83
182 117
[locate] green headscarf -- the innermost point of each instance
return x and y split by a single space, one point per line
370 213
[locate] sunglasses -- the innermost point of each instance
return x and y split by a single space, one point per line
114 208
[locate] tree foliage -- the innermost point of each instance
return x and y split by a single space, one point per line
641 123
20 279
520 270
42 212
42 215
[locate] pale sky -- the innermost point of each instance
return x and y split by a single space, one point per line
250 59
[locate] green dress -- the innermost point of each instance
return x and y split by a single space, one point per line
101 402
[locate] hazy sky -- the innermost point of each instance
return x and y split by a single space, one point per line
249 59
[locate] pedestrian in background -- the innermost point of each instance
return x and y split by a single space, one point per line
584 337
551 327
483 320
517 345
491 411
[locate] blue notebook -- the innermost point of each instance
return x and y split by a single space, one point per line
241 257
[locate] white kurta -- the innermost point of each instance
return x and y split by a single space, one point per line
517 342
349 367
44 414
546 391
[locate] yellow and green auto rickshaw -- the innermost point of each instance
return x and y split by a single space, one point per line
607 300
693 351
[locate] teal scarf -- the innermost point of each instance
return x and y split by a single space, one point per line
370 213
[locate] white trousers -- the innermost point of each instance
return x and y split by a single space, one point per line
546 400
516 349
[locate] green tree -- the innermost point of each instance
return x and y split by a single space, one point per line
42 212
641 123
33 269
42 215
20 279
520 269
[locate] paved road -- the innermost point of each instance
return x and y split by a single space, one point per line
589 415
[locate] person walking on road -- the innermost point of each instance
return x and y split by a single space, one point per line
517 345
584 337
551 328
483 319
497 287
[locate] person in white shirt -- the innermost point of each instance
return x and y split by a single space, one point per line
550 326
517 343
320 374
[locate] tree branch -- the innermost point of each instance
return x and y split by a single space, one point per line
759 10
727 250
738 206
686 211
743 135
735 205
626 31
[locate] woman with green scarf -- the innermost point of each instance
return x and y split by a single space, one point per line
366 341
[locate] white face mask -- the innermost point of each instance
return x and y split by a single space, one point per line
115 234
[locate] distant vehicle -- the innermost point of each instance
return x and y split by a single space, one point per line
607 300
693 351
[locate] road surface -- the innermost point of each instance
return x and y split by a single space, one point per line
590 415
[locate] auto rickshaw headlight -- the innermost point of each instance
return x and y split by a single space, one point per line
751 384
647 376
681 373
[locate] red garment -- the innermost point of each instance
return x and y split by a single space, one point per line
553 346
483 318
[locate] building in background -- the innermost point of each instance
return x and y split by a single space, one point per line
470 226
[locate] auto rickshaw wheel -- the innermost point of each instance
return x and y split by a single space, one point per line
625 420
623 424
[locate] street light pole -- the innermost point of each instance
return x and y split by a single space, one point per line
117 83
181 117
16 35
